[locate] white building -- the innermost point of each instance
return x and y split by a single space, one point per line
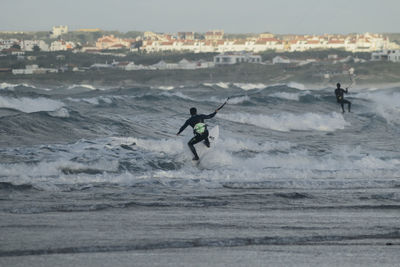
214 35
385 55
58 31
133 66
266 44
28 45
162 65
18 53
61 45
234 58
394 56
281 60
6 44
34 69
183 64
101 66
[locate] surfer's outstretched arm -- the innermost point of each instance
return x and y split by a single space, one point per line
209 116
183 127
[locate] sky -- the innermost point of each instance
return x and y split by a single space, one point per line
232 16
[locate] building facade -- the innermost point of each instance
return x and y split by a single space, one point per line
236 58
29 45
57 31
386 55
111 42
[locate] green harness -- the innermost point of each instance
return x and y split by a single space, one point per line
199 128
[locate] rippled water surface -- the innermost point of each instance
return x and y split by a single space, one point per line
97 177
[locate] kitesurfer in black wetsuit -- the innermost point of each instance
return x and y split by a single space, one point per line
199 129
339 97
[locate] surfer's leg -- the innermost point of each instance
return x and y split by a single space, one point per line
206 141
342 105
344 101
191 144
348 105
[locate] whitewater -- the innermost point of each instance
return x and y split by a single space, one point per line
97 176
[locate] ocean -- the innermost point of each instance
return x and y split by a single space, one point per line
94 176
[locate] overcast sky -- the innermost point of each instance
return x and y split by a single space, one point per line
232 16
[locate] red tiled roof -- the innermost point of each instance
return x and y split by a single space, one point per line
167 43
335 42
106 40
269 39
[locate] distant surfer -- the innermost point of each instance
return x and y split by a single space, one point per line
199 129
339 97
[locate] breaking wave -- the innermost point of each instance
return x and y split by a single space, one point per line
288 121
29 105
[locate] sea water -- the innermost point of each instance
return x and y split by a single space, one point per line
97 177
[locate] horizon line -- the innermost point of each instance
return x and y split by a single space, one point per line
159 32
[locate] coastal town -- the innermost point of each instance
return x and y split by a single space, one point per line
227 50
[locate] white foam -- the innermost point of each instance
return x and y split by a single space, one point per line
94 100
29 105
10 86
178 94
46 171
236 145
386 104
208 84
294 169
250 86
287 121
238 100
169 146
223 85
88 86
232 101
299 164
296 85
294 166
277 163
60 113
7 86
167 88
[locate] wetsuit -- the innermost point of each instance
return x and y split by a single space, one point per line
340 99
198 137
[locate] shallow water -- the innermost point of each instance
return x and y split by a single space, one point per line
96 176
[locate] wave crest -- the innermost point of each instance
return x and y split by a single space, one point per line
30 105
286 122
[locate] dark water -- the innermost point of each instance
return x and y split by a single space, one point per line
96 176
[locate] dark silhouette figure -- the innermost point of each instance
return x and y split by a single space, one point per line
339 97
199 129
